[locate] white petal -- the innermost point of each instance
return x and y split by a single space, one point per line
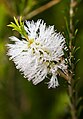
38 59
53 83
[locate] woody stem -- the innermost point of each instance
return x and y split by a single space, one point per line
70 87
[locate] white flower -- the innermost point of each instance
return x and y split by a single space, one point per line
40 55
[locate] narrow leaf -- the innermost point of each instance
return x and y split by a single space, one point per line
16 21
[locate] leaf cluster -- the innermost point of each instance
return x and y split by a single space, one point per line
18 26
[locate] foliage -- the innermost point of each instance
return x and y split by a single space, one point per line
18 26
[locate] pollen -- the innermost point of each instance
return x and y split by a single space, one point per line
30 42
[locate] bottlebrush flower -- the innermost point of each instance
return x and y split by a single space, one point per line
39 53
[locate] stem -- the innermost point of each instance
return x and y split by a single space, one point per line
70 87
41 9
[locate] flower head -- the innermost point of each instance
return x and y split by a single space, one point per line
39 54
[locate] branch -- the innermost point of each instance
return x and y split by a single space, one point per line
65 76
70 87
41 9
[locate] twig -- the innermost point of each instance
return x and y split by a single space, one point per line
41 9
65 76
70 87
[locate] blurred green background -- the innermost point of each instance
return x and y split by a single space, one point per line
20 99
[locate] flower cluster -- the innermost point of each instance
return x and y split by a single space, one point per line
40 54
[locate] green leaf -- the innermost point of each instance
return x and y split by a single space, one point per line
76 31
79 111
77 61
18 26
76 49
79 101
67 26
16 21
67 31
